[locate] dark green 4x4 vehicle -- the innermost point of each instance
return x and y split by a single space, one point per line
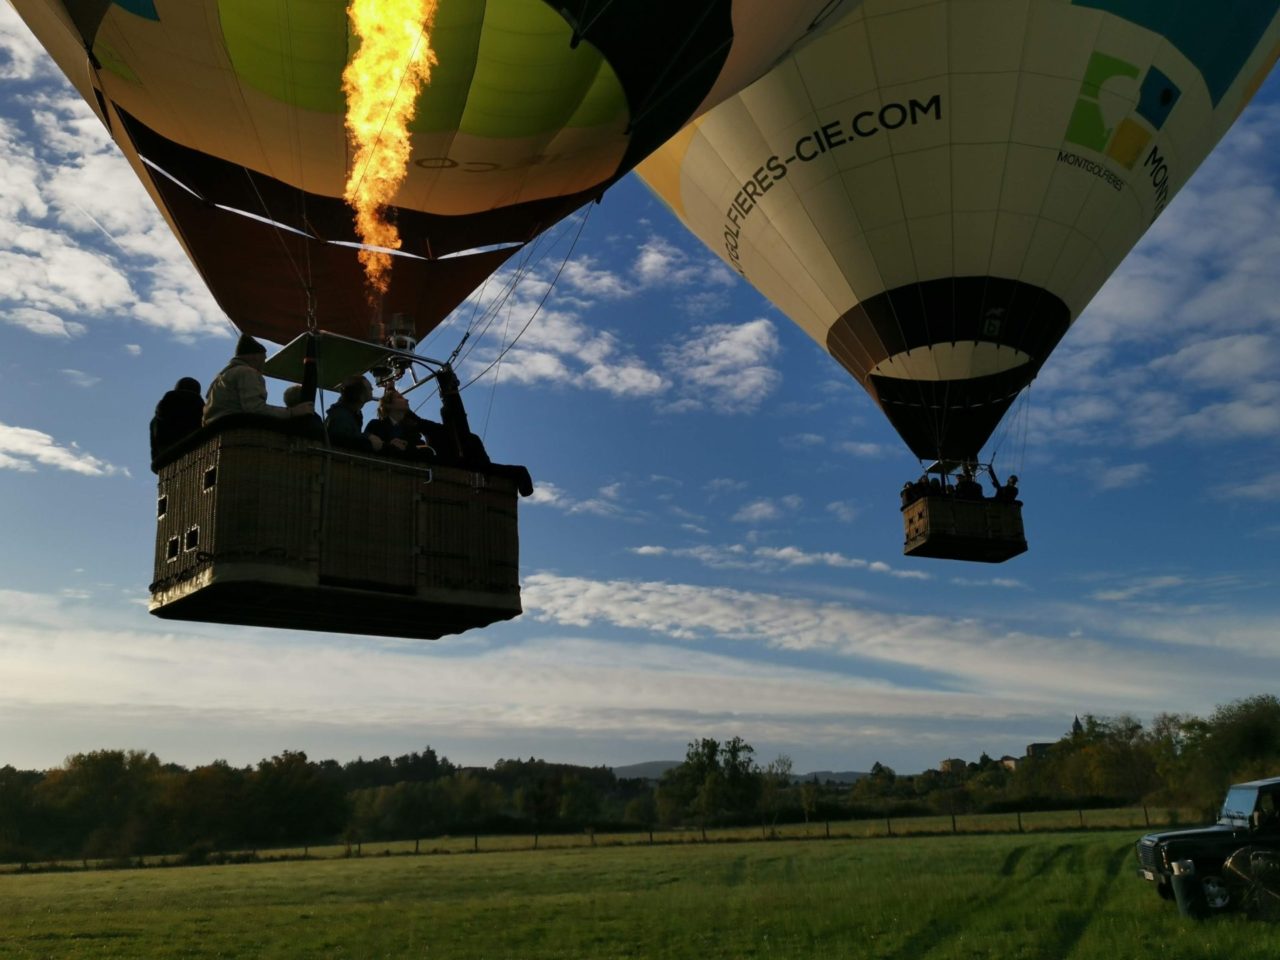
1250 817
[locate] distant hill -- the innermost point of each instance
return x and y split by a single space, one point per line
649 770
837 776
654 769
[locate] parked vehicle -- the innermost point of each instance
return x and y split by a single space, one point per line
1250 816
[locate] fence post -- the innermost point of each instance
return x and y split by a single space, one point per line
888 826
1146 816
651 836
953 824
416 841
1019 812
1081 813
475 844
828 829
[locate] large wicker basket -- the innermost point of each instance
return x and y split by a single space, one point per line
948 528
261 526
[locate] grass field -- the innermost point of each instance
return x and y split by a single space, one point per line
1048 895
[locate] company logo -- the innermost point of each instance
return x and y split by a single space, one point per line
1157 96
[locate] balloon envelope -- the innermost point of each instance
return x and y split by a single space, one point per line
232 114
934 191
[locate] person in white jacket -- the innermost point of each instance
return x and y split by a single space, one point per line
241 388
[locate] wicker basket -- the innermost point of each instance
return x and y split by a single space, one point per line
986 531
263 527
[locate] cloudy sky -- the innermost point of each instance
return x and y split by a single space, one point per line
714 547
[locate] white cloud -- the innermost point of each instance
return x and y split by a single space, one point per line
80 379
1266 487
741 557
583 276
1122 475
20 56
1005 583
133 349
80 237
1140 587
556 346
725 367
843 511
804 440
1223 361
719 485
661 263
549 495
1201 294
973 655
23 449
758 511
41 322
859 449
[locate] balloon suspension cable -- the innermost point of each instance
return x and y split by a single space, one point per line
652 98
541 303
580 32
303 279
458 349
482 319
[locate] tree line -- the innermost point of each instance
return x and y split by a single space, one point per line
116 804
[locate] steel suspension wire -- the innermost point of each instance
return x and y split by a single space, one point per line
541 303
479 325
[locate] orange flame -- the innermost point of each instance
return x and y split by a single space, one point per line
382 83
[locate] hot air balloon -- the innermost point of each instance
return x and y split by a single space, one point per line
233 115
935 191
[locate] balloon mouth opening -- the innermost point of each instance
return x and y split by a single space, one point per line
963 360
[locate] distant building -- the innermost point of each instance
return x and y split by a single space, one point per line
1038 749
1008 762
952 766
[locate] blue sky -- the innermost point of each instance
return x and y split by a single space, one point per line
714 547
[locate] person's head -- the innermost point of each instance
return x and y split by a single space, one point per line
356 391
392 404
293 395
251 351
1013 480
188 384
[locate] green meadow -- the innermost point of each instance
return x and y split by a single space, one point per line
1044 895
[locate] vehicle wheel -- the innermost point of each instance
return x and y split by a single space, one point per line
1218 895
1165 889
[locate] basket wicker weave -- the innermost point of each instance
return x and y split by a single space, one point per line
260 526
988 531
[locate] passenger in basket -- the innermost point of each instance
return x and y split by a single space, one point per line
967 488
178 415
1008 493
345 419
240 387
399 428
308 424
457 444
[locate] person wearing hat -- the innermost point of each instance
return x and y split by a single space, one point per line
344 420
241 388
178 415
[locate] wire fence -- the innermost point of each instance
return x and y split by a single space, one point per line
863 828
